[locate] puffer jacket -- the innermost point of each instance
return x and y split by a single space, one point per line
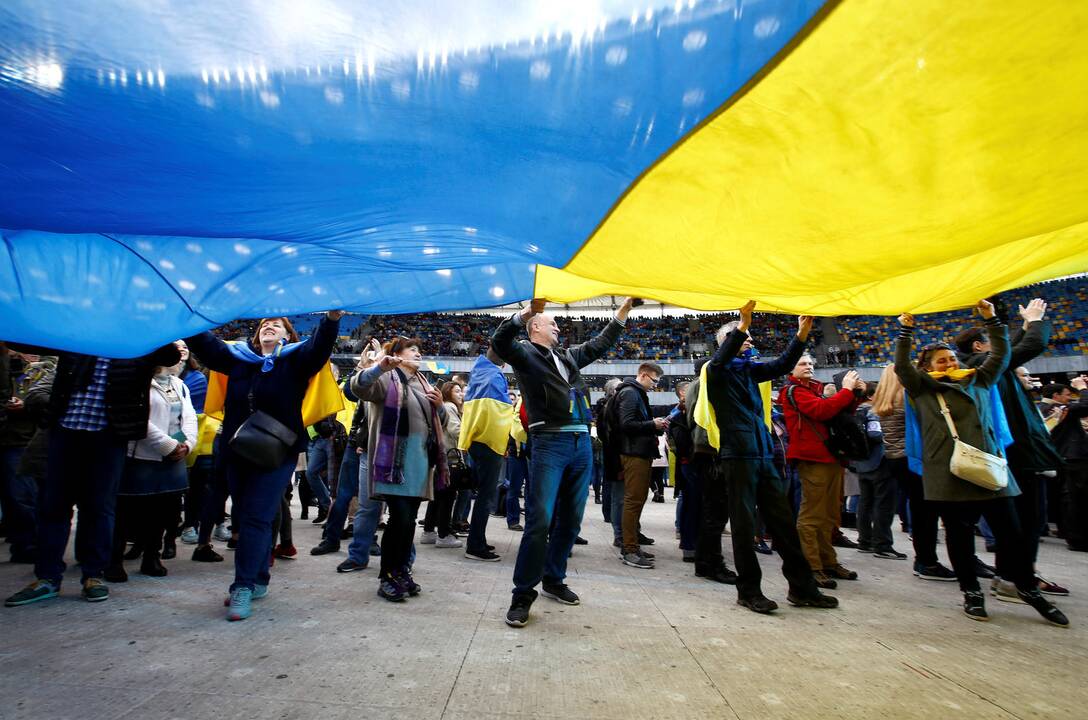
968 401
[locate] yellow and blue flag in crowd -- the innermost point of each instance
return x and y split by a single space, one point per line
825 157
487 414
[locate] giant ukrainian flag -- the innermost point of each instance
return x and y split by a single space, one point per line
168 167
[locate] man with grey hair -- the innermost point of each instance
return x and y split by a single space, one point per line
746 455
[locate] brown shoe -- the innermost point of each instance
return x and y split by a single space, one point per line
842 573
824 581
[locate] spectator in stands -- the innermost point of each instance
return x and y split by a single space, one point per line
637 438
888 405
731 409
1031 456
270 377
1067 421
406 451
557 403
938 382
807 409
96 407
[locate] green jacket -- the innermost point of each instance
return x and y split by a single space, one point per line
1032 450
969 402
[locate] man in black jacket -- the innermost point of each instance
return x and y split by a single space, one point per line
556 401
97 406
637 433
747 462
1032 456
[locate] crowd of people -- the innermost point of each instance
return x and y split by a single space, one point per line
151 450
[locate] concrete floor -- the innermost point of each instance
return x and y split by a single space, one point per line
644 644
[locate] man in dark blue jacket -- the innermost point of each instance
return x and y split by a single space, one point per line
746 453
557 404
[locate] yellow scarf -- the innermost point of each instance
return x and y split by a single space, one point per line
704 410
957 374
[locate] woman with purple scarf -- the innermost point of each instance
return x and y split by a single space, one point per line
406 450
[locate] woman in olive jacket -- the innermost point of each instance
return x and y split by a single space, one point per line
959 502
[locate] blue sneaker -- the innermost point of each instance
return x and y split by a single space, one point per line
239 603
32 593
260 591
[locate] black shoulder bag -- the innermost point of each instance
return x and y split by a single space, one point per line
262 440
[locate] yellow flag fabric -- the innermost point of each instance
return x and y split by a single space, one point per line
705 416
323 397
517 430
903 155
486 420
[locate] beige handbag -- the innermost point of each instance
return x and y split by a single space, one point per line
971 464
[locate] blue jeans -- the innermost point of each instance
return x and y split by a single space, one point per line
559 478
488 465
365 523
516 469
317 470
20 493
616 511
691 511
83 469
461 506
255 497
347 487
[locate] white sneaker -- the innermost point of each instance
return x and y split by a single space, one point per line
221 532
450 541
428 538
189 536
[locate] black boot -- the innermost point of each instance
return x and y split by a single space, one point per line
151 565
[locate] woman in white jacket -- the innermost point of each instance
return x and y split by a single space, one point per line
154 479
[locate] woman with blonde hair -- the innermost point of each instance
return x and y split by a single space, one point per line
888 406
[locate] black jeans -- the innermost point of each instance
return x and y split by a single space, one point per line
200 476
876 507
215 499
752 483
959 525
399 530
1027 509
144 518
923 513
281 527
440 512
1074 505
714 514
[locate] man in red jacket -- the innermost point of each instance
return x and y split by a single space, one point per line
806 411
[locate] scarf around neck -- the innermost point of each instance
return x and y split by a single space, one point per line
393 433
956 375
242 351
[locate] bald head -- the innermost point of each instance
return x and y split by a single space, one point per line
542 330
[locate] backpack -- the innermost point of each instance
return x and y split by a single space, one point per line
847 436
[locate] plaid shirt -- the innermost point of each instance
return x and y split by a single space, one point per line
87 407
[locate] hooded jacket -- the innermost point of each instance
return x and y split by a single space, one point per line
1032 450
